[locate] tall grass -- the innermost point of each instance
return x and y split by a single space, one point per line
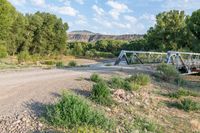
95 78
73 111
183 92
101 93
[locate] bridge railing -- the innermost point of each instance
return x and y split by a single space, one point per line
185 61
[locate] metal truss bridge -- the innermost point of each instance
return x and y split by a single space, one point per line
185 62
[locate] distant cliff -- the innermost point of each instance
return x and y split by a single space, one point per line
87 36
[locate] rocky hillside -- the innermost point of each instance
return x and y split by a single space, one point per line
87 36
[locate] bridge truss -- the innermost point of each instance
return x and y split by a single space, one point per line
185 62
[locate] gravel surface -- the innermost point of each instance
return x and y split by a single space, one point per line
27 91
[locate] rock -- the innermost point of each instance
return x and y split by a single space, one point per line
195 124
120 94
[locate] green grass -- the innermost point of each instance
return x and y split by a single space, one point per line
117 82
101 94
73 111
140 79
72 64
60 64
186 105
183 92
133 83
95 77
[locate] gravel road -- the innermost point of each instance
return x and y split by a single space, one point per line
19 88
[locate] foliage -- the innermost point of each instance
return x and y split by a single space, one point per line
72 64
140 79
95 78
101 93
194 24
60 64
183 92
73 111
186 104
169 32
3 51
23 56
167 72
117 82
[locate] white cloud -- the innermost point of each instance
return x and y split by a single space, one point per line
181 4
117 9
81 20
98 10
80 1
18 2
64 10
40 3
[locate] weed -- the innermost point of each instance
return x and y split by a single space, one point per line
140 79
183 92
95 78
73 111
101 93
87 129
60 64
186 104
23 56
167 72
72 64
117 82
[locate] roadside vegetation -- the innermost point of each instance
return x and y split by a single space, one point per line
73 111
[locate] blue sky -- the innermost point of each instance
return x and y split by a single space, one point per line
107 16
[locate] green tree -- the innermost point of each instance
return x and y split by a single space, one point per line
194 24
7 17
169 32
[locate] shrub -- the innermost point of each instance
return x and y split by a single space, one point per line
72 64
186 104
23 56
3 51
101 93
140 79
95 78
182 92
117 82
60 64
167 72
135 86
73 111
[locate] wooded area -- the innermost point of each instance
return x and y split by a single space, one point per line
45 34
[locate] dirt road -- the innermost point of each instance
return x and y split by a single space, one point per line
19 88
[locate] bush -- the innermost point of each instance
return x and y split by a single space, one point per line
73 111
140 79
167 72
23 56
101 93
95 78
72 64
182 92
60 64
117 82
186 104
3 51
135 86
